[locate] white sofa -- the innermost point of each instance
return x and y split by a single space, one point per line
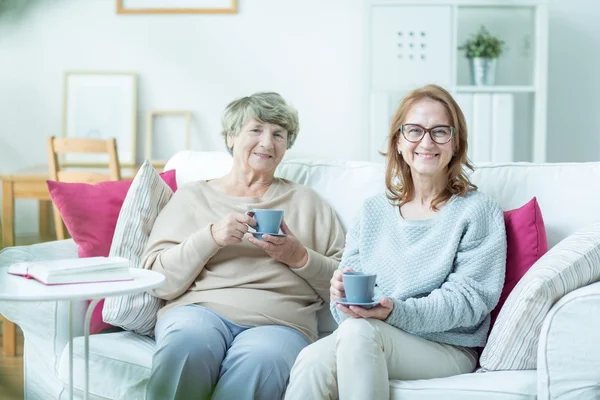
568 351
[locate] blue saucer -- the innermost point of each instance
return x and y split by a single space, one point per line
258 235
345 302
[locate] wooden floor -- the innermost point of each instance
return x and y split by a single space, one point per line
11 374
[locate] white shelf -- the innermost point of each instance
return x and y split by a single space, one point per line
412 54
494 89
462 3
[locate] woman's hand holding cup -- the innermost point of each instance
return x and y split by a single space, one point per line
336 290
286 249
231 229
381 311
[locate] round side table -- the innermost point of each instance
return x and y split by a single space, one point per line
18 288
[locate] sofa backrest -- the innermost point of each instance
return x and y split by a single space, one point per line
568 193
343 184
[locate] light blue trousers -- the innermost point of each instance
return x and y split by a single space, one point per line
200 355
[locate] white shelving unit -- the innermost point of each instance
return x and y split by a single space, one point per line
494 89
414 42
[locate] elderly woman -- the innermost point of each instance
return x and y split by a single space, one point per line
239 309
438 247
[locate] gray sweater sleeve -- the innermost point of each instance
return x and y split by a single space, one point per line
471 291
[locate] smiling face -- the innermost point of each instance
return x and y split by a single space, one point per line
259 147
427 158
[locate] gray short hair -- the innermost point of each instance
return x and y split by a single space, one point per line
266 107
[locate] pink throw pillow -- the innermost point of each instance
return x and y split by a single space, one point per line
526 243
90 213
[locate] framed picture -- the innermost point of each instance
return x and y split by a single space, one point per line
176 6
167 132
101 105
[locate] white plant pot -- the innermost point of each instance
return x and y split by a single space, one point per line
483 71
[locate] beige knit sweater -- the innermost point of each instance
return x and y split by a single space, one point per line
241 282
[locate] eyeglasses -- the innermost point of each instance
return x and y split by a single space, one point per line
414 133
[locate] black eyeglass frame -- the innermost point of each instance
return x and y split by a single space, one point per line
425 130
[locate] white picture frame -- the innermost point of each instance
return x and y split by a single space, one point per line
151 115
176 6
101 105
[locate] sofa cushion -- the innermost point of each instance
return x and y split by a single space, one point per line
90 214
571 264
125 360
145 199
119 365
526 243
502 385
199 165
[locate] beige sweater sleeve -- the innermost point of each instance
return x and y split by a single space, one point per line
177 247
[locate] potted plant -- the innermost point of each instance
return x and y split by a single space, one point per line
483 50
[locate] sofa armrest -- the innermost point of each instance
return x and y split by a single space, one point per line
44 324
56 250
568 350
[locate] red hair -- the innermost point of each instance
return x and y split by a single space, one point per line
398 179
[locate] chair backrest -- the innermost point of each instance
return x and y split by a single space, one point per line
80 173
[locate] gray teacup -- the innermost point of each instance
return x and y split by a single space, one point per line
359 286
267 221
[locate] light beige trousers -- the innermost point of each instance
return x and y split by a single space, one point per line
362 355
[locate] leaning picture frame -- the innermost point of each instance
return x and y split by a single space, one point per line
176 6
101 105
151 115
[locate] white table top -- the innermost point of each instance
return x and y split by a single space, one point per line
13 287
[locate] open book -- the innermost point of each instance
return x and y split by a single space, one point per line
74 270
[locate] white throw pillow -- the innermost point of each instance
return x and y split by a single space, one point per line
145 199
571 264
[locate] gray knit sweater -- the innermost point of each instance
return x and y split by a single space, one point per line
444 274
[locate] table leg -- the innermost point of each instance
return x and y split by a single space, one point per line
9 330
70 349
8 209
86 337
9 338
44 218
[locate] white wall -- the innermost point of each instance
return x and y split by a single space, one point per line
311 51
574 81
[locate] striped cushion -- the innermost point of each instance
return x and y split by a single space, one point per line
571 264
146 197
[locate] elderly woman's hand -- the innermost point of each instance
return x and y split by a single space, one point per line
231 229
287 250
381 311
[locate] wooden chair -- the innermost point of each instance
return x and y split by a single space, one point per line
60 173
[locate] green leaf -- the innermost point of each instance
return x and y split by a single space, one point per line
482 44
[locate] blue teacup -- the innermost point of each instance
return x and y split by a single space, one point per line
359 286
267 221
